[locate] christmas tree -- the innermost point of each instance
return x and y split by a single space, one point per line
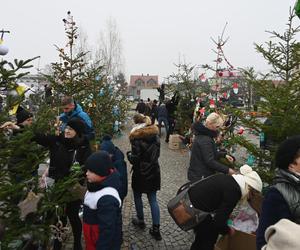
101 95
279 97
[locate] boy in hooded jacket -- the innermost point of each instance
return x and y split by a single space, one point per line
102 221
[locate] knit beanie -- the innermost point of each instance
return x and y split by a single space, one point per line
283 235
77 124
251 177
99 163
107 145
287 151
22 116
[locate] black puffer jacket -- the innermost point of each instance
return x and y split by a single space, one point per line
64 152
145 151
204 155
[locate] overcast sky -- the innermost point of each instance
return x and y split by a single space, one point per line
155 34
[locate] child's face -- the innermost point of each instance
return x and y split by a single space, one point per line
92 177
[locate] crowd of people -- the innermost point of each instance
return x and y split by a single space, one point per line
217 189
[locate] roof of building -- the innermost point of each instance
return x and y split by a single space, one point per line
144 78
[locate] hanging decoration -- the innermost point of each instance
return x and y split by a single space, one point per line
29 205
235 88
212 103
59 231
3 49
202 77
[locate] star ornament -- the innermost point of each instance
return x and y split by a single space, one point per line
29 205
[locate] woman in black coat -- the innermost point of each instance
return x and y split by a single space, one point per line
65 150
219 194
145 151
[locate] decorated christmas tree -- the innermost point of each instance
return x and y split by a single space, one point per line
100 95
279 98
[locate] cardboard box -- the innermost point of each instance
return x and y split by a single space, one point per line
238 241
174 138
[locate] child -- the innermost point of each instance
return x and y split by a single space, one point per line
102 204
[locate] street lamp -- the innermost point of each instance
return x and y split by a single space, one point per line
3 48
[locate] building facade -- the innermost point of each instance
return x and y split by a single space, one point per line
139 82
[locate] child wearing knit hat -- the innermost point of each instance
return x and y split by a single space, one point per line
102 222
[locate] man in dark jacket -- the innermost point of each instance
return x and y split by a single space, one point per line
141 107
282 200
204 156
154 110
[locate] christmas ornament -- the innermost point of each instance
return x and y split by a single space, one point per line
250 160
101 92
59 231
202 78
3 50
212 103
241 130
29 205
116 126
235 87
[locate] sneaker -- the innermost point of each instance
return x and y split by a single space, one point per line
139 223
155 233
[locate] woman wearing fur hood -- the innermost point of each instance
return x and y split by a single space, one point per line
145 151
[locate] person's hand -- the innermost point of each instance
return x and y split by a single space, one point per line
9 125
229 158
231 171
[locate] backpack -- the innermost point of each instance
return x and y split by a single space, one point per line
181 209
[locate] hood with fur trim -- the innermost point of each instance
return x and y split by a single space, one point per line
144 132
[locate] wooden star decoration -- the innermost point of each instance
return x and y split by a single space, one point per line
29 205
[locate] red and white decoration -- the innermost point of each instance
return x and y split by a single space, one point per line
235 87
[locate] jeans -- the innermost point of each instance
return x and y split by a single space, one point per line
153 205
164 120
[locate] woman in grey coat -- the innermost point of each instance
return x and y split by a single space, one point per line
204 156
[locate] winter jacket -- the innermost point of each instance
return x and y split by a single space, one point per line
276 204
162 111
141 107
145 151
79 113
121 166
154 111
218 194
204 156
102 220
64 152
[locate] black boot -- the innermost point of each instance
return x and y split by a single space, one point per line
154 231
139 223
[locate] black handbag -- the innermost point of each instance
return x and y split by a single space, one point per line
181 209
